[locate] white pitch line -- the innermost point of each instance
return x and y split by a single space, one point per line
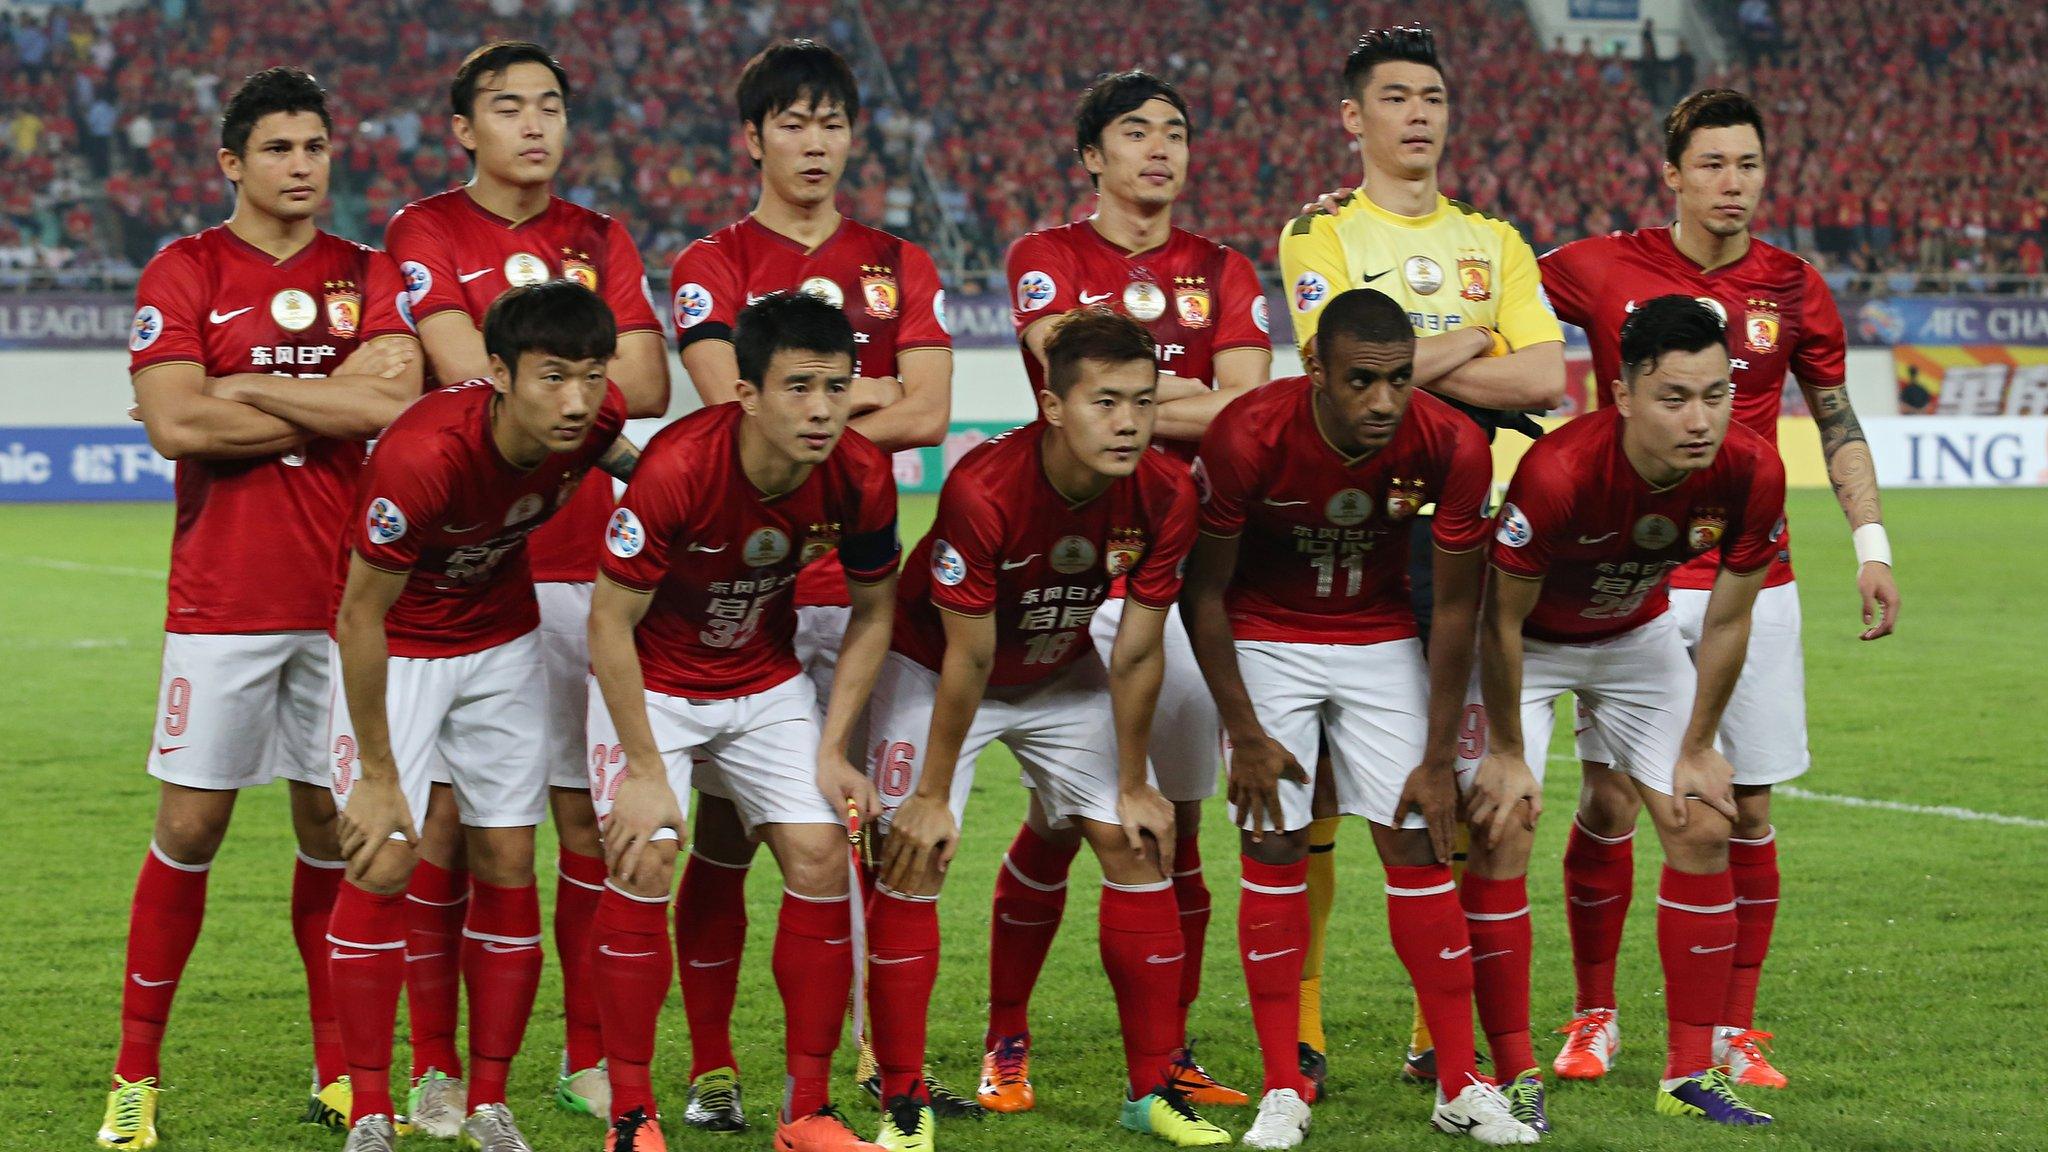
1948 811
91 569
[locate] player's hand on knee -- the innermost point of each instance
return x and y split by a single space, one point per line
644 807
1431 791
1705 774
376 810
1144 812
1880 599
922 839
845 786
1501 789
1256 768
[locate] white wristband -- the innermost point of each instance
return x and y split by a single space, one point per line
1872 545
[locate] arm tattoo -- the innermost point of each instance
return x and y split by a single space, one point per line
620 459
1851 471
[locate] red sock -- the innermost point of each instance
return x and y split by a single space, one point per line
1599 878
1430 937
629 975
1031 896
163 925
579 885
314 885
711 933
814 972
1272 937
903 965
1191 896
1696 937
1497 922
501 960
1139 928
366 937
436 903
1753 864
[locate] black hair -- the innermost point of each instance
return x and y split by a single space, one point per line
1118 94
1098 335
1711 108
1414 44
1364 316
788 73
788 321
1667 324
263 93
496 58
558 318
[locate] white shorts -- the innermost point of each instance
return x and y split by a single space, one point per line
1763 729
473 721
1639 684
1060 730
238 711
819 630
1367 703
759 751
1186 747
565 667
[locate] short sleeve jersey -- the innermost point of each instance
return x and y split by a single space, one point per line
457 256
1196 296
1579 517
440 502
1324 538
1451 267
1006 543
888 287
1781 319
720 556
253 545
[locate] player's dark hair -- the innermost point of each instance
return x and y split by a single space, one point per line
1363 316
1667 324
1711 108
789 73
559 318
1414 44
1114 95
1094 335
788 322
494 59
263 93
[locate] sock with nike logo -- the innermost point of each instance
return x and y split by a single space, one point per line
1138 926
579 886
501 960
1696 930
1272 941
366 935
630 970
1497 923
1191 895
1429 935
1031 896
436 904
1753 865
814 972
314 885
163 925
1599 877
711 935
903 965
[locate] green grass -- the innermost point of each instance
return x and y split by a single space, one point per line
1905 985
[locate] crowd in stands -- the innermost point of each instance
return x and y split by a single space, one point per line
1906 138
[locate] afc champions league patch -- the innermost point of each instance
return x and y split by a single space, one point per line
294 310
148 325
1309 290
1423 275
939 311
1654 533
1348 508
624 536
824 288
1035 290
947 566
1144 301
524 269
1072 555
385 522
1204 488
1514 527
1259 314
693 305
418 281
765 548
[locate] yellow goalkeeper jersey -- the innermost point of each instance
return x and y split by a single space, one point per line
1452 267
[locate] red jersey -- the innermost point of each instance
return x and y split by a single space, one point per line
253 547
1324 558
1605 543
888 287
458 256
438 501
1780 316
720 557
1005 541
1198 297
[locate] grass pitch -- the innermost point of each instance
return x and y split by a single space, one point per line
1905 985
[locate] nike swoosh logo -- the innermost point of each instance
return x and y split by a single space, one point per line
893 959
701 548
1699 951
606 949
224 317
1447 954
1006 918
1007 564
1373 277
1594 903
151 983
1255 956
456 530
163 751
841 940
1169 959
412 957
466 277
1271 503
507 949
729 959
1097 298
339 955
1596 539
1491 955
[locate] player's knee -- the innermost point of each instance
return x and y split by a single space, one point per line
1702 844
813 865
575 820
654 874
718 834
1274 848
191 834
1505 858
1607 802
501 857
1752 812
1187 818
388 870
1403 847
